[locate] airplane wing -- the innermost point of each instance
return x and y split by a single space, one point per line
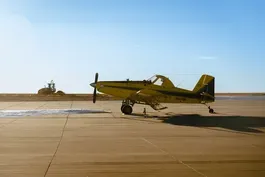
149 97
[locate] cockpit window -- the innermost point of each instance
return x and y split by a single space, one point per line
152 79
156 80
161 81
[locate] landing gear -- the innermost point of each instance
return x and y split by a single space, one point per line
211 110
126 107
122 107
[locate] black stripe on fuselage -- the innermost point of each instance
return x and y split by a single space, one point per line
128 82
170 93
123 87
180 94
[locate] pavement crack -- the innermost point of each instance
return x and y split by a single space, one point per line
66 121
173 157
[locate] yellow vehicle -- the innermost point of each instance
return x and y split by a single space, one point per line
156 90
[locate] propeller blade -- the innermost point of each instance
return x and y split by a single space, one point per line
95 89
94 95
96 78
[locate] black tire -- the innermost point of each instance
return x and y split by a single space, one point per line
122 108
211 111
127 109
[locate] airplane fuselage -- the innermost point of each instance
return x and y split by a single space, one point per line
124 89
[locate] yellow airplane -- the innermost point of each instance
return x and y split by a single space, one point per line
156 90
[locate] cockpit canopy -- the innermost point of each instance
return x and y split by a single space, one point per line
160 80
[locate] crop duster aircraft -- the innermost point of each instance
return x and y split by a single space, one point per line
156 90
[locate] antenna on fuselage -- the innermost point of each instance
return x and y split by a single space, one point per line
180 83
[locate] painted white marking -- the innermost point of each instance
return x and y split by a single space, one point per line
19 113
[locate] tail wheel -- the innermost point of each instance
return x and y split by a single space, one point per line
211 111
126 109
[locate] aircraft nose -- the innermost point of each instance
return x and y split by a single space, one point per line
93 85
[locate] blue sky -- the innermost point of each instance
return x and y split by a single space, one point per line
68 41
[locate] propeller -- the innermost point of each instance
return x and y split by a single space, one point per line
95 88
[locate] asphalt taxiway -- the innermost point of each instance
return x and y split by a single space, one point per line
184 140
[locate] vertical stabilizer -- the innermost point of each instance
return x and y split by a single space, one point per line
206 85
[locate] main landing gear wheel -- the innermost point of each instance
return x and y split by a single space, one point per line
122 107
126 109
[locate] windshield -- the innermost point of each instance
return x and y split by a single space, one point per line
156 80
152 79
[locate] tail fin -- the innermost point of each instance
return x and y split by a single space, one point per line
206 85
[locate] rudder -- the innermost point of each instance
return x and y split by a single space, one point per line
205 84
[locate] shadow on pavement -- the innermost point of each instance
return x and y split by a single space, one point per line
236 123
